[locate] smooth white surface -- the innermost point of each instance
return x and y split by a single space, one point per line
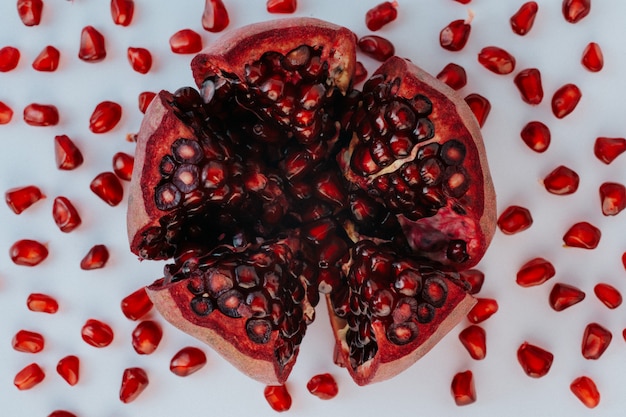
554 46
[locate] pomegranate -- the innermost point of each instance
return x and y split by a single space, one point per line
275 180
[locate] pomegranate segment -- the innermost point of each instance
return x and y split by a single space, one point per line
535 361
463 388
608 294
105 116
134 382
68 368
455 35
27 341
607 149
514 219
323 386
97 333
593 58
28 252
565 100
122 11
47 60
108 187
65 214
36 114
281 6
524 18
575 10
42 303
30 11
136 304
536 135
612 198
6 113
187 361
92 45
480 106
582 235
186 41
278 397
381 14
67 154
376 47
563 296
215 16
585 389
20 198
596 340
496 60
474 339
95 258
140 59
146 337
561 181
535 272
453 75
482 310
28 377
9 58
528 82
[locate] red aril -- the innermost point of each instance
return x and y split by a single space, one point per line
565 100
122 11
496 60
92 46
36 114
514 219
47 60
323 386
65 214
278 397
9 58
186 41
528 82
360 72
585 389
582 235
187 361
381 14
463 1
596 340
535 272
123 165
561 181
480 106
536 135
535 361
28 377
30 11
27 252
592 58
474 278
134 382
146 337
95 258
454 36
607 149
20 198
97 333
105 116
215 16
136 304
564 296
42 303
524 18
27 341
68 368
66 153
376 47
453 75
612 198
482 310
6 113
281 6
140 59
474 339
108 187
61 413
144 99
608 294
463 389
575 10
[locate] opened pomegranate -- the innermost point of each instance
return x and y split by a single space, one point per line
275 180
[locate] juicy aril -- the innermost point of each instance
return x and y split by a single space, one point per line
275 181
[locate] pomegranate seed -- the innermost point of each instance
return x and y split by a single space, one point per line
474 339
582 235
536 136
360 73
612 198
463 1
123 165
20 198
535 361
215 16
144 100
496 60
561 181
97 333
608 294
122 11
30 11
565 100
42 303
67 154
146 337
92 45
61 413
68 368
278 397
528 82
136 304
480 107
28 377
6 113
535 272
586 391
376 47
522 21
596 340
323 386
41 115
47 60
187 361
575 10
475 278
186 41
28 252
381 14
65 214
563 296
27 341
96 258
9 58
463 388
592 58
514 219
453 75
105 117
607 149
140 59
482 310
108 187
454 36
281 6
134 382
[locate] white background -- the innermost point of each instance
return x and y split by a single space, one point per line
554 46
